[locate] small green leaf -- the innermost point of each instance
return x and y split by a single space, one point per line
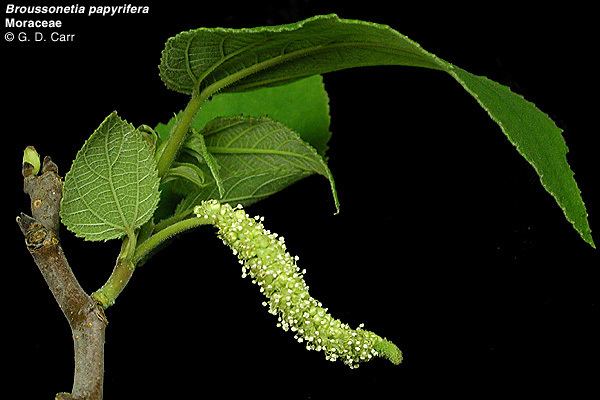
302 106
31 157
258 157
150 136
187 172
212 60
112 187
196 145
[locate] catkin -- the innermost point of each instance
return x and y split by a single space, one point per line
264 259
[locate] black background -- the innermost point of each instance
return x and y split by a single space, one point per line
447 243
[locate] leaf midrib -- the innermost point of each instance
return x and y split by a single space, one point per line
280 59
249 150
223 59
110 164
211 131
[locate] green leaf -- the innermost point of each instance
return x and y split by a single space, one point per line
112 187
31 157
211 60
197 146
216 59
302 106
186 172
537 139
258 157
150 136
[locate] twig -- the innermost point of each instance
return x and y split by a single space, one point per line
86 318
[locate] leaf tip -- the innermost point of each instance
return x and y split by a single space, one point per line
334 194
220 188
337 203
587 237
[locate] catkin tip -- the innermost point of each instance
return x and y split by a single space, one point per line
389 350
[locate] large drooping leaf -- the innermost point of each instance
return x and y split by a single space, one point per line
217 59
302 106
210 60
112 187
257 157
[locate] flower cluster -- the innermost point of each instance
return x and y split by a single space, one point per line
264 259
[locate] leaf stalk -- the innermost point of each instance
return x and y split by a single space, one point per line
154 241
179 133
120 275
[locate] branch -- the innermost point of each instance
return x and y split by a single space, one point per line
85 317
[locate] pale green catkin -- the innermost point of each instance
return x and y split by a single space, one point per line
264 259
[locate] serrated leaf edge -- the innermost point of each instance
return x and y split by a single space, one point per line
119 228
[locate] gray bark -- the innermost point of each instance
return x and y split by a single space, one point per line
85 317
